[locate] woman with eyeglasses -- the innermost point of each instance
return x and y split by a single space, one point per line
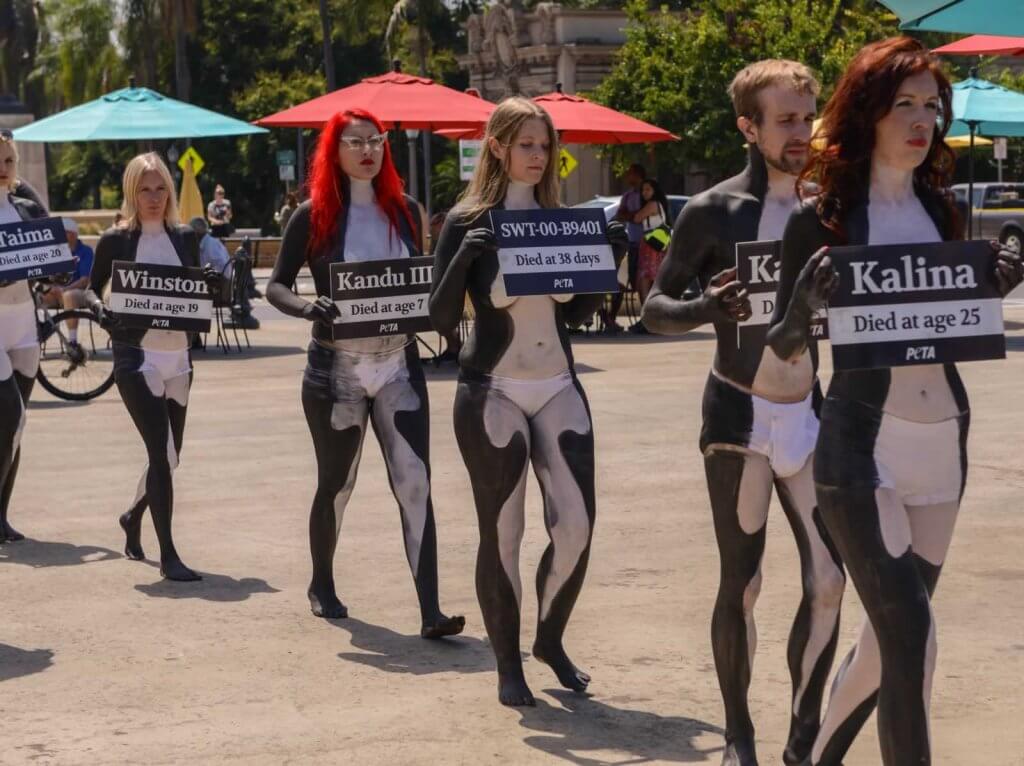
357 212
19 341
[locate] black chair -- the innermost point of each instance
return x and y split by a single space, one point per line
241 267
222 301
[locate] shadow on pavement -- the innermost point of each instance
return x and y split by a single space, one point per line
39 554
614 735
213 353
15 662
395 652
213 587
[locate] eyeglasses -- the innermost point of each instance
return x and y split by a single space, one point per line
357 144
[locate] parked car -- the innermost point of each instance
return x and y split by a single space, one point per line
998 210
676 202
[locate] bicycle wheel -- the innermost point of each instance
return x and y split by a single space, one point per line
76 371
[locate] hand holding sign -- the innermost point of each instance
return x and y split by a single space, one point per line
1009 268
106 318
214 279
727 297
323 310
817 281
477 242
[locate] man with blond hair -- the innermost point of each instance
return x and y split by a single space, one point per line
760 412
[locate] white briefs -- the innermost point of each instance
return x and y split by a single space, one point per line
784 433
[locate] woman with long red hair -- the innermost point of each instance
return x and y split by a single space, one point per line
891 460
357 212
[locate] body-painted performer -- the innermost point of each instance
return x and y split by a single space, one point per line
19 341
518 400
891 459
760 422
357 212
152 368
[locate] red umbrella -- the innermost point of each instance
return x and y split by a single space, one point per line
580 121
396 99
984 45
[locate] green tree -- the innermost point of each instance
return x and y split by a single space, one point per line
674 69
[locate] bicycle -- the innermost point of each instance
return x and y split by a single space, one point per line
74 371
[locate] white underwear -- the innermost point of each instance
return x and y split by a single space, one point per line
530 396
784 433
18 326
919 461
165 364
356 376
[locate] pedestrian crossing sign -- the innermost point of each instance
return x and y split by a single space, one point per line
197 161
566 163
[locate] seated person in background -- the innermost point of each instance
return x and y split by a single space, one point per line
72 294
211 249
213 252
219 212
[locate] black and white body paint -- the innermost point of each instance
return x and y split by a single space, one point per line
350 383
19 362
153 373
760 424
889 468
519 403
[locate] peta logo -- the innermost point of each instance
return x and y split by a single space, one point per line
920 353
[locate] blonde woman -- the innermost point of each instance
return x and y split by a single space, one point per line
152 368
518 400
19 341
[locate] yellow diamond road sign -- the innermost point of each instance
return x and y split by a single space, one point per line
566 163
197 161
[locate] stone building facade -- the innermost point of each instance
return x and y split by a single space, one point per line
515 51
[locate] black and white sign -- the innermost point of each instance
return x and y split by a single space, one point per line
758 265
386 297
915 304
160 297
32 249
552 251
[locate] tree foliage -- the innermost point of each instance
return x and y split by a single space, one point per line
675 68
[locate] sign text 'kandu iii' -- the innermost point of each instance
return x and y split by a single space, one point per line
386 297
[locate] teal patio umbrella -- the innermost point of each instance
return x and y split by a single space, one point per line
984 108
986 17
133 114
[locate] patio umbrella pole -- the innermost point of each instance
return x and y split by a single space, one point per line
970 183
301 159
427 175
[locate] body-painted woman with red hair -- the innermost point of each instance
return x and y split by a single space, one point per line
357 212
891 458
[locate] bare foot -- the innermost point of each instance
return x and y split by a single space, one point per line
443 626
513 691
568 674
132 526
